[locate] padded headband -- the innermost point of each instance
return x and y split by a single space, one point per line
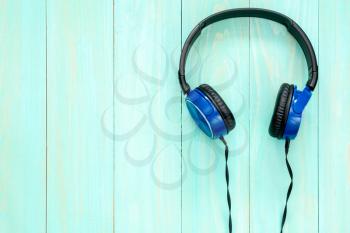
291 26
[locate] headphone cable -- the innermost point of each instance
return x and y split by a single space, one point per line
286 149
227 185
227 175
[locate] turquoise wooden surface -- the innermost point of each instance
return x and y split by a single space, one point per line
80 88
22 116
147 117
122 153
334 190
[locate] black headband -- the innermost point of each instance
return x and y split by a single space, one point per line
291 26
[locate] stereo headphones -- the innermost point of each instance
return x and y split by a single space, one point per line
209 110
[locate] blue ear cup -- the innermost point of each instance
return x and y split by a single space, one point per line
210 112
286 118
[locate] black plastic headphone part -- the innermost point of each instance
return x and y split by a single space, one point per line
220 105
291 26
281 110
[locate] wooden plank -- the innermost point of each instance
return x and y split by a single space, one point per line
334 116
219 58
80 88
147 117
22 116
276 58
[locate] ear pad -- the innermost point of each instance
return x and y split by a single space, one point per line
220 105
281 111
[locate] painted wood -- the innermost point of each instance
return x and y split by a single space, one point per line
22 116
276 58
119 134
334 116
220 58
147 116
80 88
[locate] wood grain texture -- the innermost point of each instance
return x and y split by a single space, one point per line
123 154
218 58
147 116
334 116
22 116
276 58
80 88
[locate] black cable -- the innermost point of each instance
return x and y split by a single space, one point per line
227 185
286 148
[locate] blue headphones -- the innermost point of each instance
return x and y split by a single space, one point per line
209 110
